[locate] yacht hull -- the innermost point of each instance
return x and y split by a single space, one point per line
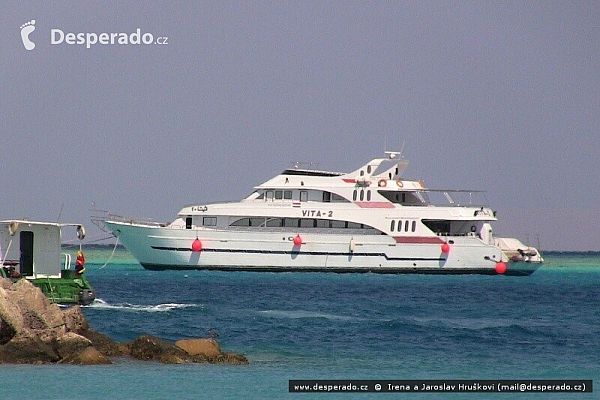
165 248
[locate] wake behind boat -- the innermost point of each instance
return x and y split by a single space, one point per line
368 220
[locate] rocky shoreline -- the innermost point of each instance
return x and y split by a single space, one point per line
35 331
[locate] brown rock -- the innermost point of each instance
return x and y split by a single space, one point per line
71 343
88 356
194 347
25 348
5 283
11 318
38 312
74 319
173 355
231 359
106 345
147 347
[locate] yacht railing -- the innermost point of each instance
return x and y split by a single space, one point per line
67 263
457 234
453 197
98 218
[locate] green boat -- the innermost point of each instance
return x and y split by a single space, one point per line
32 250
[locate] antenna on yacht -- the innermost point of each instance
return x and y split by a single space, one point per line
385 143
395 154
60 213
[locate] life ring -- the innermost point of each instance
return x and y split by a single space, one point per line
382 183
399 183
80 232
12 228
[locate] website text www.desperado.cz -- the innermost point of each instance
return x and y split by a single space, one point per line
89 39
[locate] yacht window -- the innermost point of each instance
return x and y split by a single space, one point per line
368 195
338 224
291 222
392 225
326 197
362 195
406 226
303 195
279 194
274 222
354 195
257 221
368 169
438 226
337 197
394 196
414 226
287 194
354 225
307 223
362 173
188 223
261 196
400 226
322 223
209 221
269 195
241 222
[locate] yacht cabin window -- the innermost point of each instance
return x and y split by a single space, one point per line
257 221
407 224
271 222
188 223
209 221
274 222
303 195
291 222
307 223
338 224
338 198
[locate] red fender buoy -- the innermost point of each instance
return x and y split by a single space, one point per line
196 245
297 240
445 248
500 267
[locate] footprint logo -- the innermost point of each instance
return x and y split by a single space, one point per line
26 29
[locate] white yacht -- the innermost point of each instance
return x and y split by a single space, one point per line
368 220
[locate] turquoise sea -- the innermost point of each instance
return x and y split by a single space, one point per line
333 326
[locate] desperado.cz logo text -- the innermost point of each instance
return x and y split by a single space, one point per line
89 39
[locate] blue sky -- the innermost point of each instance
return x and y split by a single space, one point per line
497 96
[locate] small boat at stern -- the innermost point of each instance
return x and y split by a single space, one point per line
32 250
368 220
